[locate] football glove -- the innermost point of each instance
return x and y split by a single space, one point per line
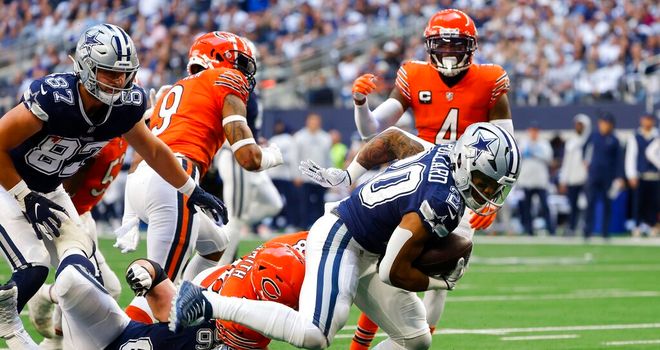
139 279
363 86
480 222
44 215
453 277
209 204
330 177
128 236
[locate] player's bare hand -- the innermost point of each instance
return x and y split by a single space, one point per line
363 86
330 177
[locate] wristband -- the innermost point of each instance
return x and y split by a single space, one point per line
355 170
20 190
188 187
241 143
438 283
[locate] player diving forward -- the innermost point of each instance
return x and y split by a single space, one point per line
389 219
446 94
62 120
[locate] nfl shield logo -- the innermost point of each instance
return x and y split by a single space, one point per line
449 96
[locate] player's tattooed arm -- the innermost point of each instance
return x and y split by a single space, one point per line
239 135
391 144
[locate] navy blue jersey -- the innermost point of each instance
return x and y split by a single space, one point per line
69 136
422 184
141 336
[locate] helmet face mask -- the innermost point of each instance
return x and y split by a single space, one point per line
486 162
222 49
451 40
106 48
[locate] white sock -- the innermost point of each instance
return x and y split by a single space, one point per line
20 340
196 265
434 302
272 319
45 291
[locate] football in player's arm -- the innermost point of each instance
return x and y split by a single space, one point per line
425 193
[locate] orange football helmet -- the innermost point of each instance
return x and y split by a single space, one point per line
222 49
451 39
278 274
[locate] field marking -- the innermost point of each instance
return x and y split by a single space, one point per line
632 342
586 294
563 268
541 337
533 260
595 241
506 331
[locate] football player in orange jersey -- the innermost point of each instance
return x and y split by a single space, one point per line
273 271
194 117
446 94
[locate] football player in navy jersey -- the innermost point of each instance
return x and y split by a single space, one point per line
362 250
62 120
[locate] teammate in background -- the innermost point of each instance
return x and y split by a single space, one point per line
62 120
387 221
447 93
194 118
98 322
250 197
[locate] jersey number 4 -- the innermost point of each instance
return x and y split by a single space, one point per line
449 125
166 112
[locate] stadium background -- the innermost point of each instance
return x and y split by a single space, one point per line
563 58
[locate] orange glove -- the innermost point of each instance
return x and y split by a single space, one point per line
479 222
363 86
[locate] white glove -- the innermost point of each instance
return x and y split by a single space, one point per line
153 98
271 156
139 279
128 236
330 177
448 282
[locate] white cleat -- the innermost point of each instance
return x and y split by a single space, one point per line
11 327
9 320
40 310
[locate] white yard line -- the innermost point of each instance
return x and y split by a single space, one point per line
477 268
541 337
632 342
577 295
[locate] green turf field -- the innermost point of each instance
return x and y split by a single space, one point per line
531 296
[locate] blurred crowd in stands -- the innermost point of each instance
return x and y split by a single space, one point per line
556 52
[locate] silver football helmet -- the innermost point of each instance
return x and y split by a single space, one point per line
108 47
486 162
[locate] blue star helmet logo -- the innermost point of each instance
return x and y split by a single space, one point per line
91 40
483 145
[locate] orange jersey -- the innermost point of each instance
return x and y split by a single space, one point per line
106 166
234 281
188 118
443 113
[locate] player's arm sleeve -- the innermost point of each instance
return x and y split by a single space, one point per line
631 158
387 113
405 245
